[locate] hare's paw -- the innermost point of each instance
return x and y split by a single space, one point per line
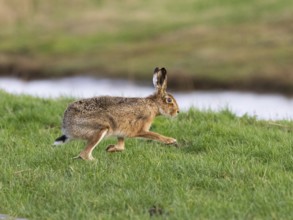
114 148
84 156
171 141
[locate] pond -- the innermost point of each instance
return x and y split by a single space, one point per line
263 106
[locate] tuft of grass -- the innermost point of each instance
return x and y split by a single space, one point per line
226 168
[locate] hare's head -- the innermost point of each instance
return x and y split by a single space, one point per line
166 102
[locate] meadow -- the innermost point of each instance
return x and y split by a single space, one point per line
226 167
230 44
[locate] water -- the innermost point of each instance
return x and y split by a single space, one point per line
6 217
263 106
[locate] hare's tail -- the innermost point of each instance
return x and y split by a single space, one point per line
60 140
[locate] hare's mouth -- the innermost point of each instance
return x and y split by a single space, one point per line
174 114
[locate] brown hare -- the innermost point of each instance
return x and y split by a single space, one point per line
95 118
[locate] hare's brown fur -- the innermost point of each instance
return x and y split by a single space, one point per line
94 118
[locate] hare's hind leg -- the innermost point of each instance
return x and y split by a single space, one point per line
117 147
86 154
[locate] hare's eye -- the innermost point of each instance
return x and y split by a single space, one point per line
169 100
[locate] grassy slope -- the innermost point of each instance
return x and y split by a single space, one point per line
210 43
226 168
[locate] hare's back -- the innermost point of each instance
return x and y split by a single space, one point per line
101 103
97 107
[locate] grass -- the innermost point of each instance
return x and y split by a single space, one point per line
226 168
226 44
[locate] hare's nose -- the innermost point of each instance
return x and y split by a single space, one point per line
178 112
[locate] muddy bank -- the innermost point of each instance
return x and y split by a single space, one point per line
180 82
254 84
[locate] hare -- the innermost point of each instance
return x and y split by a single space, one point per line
95 118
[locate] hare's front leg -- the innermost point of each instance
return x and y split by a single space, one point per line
157 137
86 154
117 147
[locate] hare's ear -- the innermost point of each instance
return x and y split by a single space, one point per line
160 79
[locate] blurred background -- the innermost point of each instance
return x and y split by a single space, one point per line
204 44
